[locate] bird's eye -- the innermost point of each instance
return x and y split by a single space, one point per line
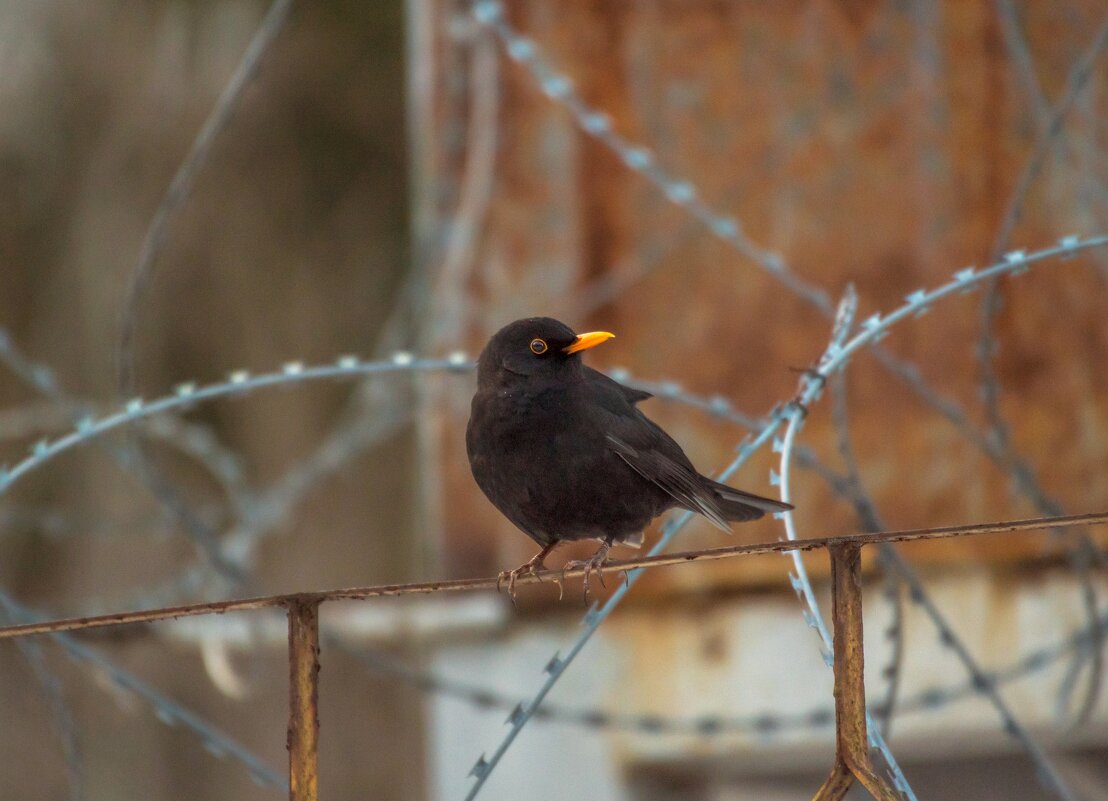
538 346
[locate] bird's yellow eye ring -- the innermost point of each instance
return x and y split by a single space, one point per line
538 346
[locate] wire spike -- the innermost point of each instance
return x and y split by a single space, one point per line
556 87
1018 258
348 362
520 48
1068 242
596 122
776 263
871 322
480 767
725 227
718 404
637 158
487 11
680 192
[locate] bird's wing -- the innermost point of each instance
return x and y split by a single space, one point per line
602 382
646 448
679 480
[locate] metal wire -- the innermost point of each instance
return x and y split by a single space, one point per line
165 709
872 330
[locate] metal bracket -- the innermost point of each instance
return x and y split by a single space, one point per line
851 741
303 732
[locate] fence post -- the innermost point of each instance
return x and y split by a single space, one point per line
303 731
851 742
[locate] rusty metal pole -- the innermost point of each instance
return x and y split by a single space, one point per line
303 732
851 742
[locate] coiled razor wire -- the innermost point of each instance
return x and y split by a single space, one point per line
872 330
684 194
168 711
931 699
240 381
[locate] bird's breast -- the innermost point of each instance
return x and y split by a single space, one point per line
514 431
547 465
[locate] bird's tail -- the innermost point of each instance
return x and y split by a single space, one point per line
737 505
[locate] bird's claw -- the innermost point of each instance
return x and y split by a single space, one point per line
557 578
594 564
530 568
512 576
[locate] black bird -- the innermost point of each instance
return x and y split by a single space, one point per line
562 451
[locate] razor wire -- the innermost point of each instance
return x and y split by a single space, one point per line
929 700
166 710
683 193
873 329
189 393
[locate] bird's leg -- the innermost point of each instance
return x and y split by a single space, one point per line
595 563
531 567
598 560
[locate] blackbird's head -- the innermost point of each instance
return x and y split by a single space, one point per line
535 346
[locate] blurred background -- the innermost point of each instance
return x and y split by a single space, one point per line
703 179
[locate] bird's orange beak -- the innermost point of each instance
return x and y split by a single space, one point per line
589 340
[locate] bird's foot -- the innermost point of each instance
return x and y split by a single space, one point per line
529 568
594 564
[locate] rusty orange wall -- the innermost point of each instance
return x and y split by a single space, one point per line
864 142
